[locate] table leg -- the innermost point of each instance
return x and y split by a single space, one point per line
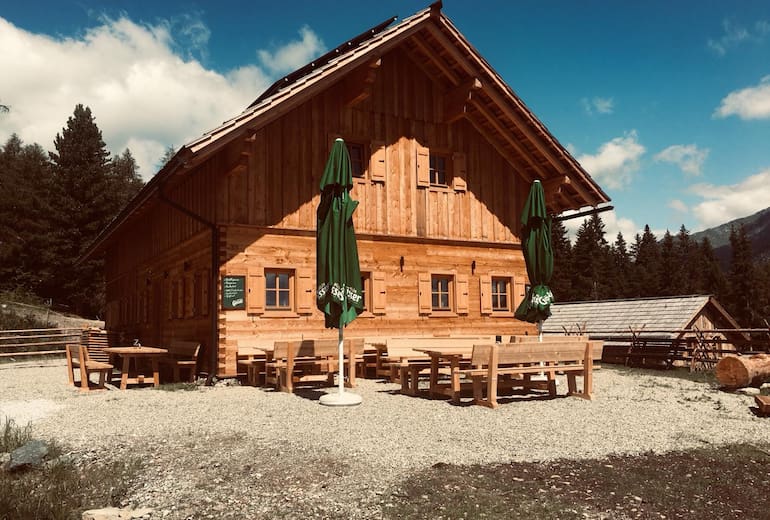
155 372
124 372
455 371
433 376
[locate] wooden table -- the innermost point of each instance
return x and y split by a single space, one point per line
443 356
136 353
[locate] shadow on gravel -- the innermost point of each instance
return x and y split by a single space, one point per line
713 483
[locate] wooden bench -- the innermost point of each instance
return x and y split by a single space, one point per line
252 360
512 365
398 357
79 359
307 360
182 355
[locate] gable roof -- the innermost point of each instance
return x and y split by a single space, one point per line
476 92
651 316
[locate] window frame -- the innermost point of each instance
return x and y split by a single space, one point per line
434 172
363 161
277 309
495 295
449 278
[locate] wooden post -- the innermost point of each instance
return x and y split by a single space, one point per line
739 371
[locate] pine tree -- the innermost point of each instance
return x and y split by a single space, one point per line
561 281
743 291
713 279
668 266
622 268
126 182
86 204
591 261
25 228
646 264
688 257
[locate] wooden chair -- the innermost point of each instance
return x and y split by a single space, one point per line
182 355
78 358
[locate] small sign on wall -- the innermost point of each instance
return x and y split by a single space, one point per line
233 292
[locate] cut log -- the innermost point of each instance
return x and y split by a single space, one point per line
739 371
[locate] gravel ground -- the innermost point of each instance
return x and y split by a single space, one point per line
235 452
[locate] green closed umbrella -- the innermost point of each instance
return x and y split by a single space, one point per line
538 255
338 276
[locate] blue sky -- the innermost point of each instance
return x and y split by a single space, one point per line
666 104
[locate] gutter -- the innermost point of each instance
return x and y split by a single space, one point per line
214 340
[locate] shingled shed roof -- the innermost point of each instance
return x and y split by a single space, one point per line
648 315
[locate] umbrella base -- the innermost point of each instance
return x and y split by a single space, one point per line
340 399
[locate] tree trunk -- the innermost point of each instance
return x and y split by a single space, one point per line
739 371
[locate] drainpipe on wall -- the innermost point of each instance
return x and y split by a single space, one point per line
214 340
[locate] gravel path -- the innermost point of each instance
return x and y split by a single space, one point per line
219 452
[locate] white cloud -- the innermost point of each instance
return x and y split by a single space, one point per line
144 90
733 35
678 205
615 162
747 103
294 54
598 105
688 157
728 202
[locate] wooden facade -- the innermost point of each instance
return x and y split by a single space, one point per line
447 155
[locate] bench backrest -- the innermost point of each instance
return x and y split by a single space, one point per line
531 352
184 349
404 347
547 337
316 348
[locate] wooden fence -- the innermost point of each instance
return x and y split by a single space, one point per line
16 345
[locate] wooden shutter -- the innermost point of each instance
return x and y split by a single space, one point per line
189 296
379 295
304 291
255 300
519 291
424 295
423 166
461 294
459 182
485 294
204 290
378 165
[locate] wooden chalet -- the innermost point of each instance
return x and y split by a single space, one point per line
219 246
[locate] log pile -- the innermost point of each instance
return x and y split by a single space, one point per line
739 371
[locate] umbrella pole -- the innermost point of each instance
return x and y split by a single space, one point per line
341 398
341 354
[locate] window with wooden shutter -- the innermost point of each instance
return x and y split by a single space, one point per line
461 294
379 295
255 300
519 291
424 293
305 293
378 166
459 182
423 166
485 294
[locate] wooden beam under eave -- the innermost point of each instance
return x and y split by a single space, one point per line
554 184
506 136
431 56
357 86
456 101
515 163
452 50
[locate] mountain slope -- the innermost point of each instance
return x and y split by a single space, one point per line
757 227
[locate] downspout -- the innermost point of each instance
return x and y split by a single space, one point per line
214 340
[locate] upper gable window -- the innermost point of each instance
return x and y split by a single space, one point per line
358 161
438 169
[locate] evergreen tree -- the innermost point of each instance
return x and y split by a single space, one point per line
85 202
561 281
743 291
167 156
25 230
688 257
126 181
712 279
668 266
646 264
591 261
622 268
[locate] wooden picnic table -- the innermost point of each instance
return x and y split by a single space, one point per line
442 356
135 354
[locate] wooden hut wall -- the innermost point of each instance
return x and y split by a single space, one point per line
158 273
465 230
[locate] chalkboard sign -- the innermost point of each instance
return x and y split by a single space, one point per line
233 292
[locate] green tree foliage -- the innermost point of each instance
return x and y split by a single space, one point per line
647 265
668 266
561 281
591 261
89 190
743 294
621 267
25 210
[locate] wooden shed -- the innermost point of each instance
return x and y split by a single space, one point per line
219 246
